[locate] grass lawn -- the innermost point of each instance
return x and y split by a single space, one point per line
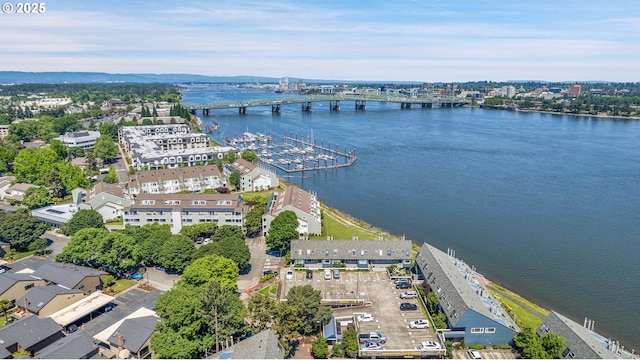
341 231
259 197
270 291
527 313
122 285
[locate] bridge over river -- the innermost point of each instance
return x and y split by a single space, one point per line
333 100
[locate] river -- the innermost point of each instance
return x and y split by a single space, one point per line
545 205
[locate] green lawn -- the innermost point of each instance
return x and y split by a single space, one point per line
259 197
340 231
270 291
527 314
122 285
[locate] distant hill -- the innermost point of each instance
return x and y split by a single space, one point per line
9 77
13 77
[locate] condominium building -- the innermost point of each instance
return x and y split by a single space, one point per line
161 146
303 203
178 210
252 176
174 180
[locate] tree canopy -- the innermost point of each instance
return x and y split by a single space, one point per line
20 228
85 218
302 313
212 267
282 230
105 148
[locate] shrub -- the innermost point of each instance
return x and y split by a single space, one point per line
476 346
266 277
501 346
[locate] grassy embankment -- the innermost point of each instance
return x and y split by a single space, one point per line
527 314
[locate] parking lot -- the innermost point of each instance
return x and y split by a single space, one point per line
383 302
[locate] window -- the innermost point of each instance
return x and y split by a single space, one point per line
490 330
477 330
29 286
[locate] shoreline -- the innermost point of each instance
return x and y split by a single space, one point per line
597 116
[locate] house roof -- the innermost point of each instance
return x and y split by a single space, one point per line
39 296
350 249
263 345
458 287
584 343
8 280
103 187
180 173
243 166
28 331
135 332
190 202
66 275
76 345
297 198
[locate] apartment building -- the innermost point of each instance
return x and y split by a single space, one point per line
252 176
174 180
303 203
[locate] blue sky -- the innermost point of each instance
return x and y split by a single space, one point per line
392 40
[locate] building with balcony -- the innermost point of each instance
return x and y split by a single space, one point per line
178 210
174 180
303 203
253 177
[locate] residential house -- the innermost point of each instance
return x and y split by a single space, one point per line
14 286
30 334
580 341
252 176
129 337
77 345
352 253
303 203
472 312
178 210
263 345
174 180
46 300
5 183
107 199
17 191
71 276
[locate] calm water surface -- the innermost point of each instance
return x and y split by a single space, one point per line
545 205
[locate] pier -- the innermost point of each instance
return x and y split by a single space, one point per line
294 153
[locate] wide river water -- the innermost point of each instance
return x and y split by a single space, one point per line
545 205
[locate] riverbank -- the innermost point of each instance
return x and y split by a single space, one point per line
599 116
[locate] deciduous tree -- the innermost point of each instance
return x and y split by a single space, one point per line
83 219
213 267
20 228
282 230
302 313
36 197
223 311
105 149
177 252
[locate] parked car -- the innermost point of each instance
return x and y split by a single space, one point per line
403 285
136 276
409 295
429 345
289 275
372 336
161 268
419 324
371 346
365 317
474 354
206 241
402 279
408 306
268 271
327 274
336 273
309 274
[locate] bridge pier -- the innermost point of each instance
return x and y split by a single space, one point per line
405 105
446 104
192 111
427 105
275 108
361 105
205 112
306 106
334 105
242 110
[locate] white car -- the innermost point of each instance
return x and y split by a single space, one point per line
365 317
474 354
419 324
327 274
373 345
289 275
429 345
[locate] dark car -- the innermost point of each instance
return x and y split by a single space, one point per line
403 285
408 306
309 274
267 272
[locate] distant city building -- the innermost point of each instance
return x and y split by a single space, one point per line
174 180
178 210
84 139
508 91
304 204
574 90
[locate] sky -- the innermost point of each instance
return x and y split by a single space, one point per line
391 40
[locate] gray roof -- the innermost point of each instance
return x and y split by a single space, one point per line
39 296
77 345
28 331
581 341
135 332
263 345
65 274
350 249
7 280
447 276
